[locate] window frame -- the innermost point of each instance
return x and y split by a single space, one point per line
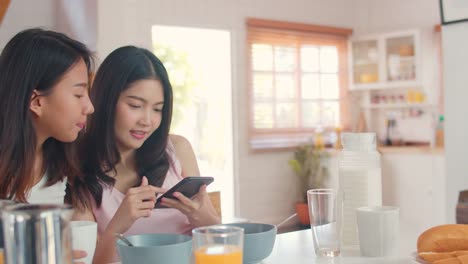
287 138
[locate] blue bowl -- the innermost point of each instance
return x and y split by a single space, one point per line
259 240
156 248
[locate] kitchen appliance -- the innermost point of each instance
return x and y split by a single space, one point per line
37 234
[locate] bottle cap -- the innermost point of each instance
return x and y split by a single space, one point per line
359 141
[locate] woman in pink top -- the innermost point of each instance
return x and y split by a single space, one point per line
129 157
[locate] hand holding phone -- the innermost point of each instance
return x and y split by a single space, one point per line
189 187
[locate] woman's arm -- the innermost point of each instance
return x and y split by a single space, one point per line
138 202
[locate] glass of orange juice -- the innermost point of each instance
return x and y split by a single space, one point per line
2 256
219 244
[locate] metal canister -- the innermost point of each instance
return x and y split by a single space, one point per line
37 234
3 204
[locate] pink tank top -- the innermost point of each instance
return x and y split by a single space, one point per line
161 220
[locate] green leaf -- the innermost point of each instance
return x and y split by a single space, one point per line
295 166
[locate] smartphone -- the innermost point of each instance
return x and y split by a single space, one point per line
189 186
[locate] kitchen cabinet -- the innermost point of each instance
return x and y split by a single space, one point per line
388 88
415 182
385 61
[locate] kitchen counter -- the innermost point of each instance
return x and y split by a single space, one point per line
410 150
400 150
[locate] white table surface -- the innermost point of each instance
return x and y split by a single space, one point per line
298 248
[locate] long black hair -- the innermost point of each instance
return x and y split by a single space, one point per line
34 59
118 71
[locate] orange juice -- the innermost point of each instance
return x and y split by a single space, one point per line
2 256
218 254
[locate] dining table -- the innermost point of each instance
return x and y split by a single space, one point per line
297 247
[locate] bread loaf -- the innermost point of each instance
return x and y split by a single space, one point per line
447 261
444 238
434 256
463 259
457 260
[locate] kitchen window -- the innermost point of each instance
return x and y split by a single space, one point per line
202 109
297 82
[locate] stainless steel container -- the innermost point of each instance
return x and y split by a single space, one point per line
3 204
37 234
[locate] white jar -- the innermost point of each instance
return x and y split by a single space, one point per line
360 180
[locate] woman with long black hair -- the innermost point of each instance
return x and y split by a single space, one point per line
129 156
44 104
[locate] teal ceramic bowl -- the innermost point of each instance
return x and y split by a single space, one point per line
259 240
156 248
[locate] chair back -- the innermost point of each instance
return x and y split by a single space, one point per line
215 198
462 208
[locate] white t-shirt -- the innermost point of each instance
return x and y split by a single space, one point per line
53 194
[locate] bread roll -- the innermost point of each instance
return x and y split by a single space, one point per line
463 259
444 238
433 256
448 261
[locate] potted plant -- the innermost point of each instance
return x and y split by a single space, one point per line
309 165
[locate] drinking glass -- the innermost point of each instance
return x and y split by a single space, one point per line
218 244
325 208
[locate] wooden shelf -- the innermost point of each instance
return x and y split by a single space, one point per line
410 150
399 105
385 85
407 58
366 63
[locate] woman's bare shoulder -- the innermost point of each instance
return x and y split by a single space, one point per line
185 154
179 142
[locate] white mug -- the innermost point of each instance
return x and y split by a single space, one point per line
84 236
378 228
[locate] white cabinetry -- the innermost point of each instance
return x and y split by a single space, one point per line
388 87
385 61
416 184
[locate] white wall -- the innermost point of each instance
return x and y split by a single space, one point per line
455 71
78 19
74 18
267 185
23 14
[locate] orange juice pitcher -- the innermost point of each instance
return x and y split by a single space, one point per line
218 245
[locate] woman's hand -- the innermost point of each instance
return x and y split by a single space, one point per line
138 202
77 255
199 211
